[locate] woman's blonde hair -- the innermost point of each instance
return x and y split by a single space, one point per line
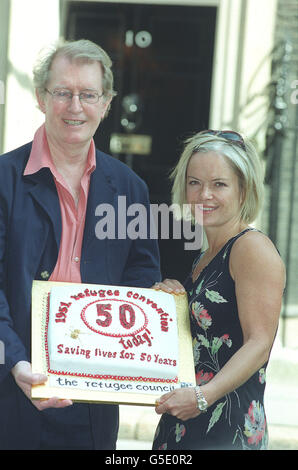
246 164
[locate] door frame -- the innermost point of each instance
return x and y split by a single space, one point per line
242 41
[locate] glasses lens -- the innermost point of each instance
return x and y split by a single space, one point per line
65 95
89 97
62 95
231 136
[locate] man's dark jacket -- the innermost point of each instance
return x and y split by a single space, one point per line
30 232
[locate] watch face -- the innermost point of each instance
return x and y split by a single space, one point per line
202 404
201 401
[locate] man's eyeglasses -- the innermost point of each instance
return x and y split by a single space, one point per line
228 135
65 96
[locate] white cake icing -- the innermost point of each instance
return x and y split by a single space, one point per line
112 333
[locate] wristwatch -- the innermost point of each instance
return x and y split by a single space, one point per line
202 403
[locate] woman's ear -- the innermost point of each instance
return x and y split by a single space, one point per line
242 196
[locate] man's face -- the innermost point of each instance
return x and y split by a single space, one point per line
73 123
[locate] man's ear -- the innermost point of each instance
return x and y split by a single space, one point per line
40 100
106 107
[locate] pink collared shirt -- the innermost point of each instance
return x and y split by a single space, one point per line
67 268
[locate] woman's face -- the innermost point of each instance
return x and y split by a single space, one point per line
73 122
213 185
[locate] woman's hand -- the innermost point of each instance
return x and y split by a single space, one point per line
169 285
181 403
24 378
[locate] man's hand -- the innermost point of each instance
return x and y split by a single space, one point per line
24 378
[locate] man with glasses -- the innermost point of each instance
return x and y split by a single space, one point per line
49 191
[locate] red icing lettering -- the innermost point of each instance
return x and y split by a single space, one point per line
60 316
102 311
166 361
109 354
136 340
123 319
127 355
73 350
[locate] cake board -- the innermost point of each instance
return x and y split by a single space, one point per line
68 388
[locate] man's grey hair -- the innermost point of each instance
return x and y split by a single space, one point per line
80 50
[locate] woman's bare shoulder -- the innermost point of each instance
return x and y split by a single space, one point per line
254 251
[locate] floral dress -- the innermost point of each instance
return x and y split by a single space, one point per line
237 420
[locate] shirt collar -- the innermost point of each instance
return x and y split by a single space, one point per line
40 155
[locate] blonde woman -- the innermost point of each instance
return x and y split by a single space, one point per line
234 292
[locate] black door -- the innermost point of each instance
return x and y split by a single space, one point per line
162 62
